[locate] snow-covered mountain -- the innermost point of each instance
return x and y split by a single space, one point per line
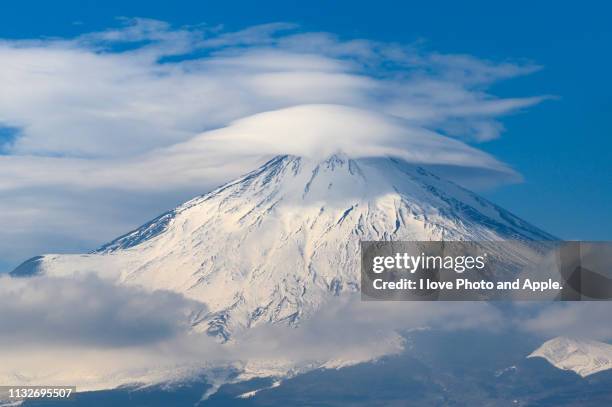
276 244
585 357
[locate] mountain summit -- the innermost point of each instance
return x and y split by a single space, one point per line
275 244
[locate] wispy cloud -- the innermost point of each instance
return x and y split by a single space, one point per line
95 96
590 319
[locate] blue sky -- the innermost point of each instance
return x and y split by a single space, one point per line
561 146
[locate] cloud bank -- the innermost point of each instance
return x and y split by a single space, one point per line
88 311
105 130
90 332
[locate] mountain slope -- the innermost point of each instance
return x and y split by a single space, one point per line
582 356
274 245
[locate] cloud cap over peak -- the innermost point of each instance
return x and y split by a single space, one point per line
319 130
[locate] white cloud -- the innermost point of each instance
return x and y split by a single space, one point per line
163 113
82 97
94 334
88 311
590 319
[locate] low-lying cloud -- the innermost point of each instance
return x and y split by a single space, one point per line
590 320
88 311
95 334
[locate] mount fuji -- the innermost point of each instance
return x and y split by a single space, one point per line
274 245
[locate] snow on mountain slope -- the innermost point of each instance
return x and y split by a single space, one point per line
585 357
274 245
